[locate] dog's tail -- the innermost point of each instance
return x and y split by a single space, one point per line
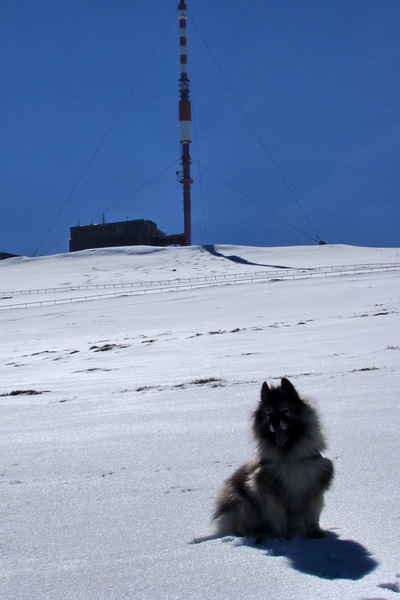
205 538
209 538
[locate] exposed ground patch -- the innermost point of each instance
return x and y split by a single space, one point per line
24 393
108 347
212 381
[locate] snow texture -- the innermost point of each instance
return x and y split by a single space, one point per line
122 416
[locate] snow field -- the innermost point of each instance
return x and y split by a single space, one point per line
142 409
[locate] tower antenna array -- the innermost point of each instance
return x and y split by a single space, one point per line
185 124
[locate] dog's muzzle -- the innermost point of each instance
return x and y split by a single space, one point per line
280 430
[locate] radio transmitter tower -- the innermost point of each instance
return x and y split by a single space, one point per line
185 124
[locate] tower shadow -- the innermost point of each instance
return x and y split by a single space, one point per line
237 259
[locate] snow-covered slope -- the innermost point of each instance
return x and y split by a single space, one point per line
122 416
144 263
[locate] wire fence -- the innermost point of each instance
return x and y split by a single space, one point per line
183 284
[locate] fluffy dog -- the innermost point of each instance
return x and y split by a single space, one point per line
280 493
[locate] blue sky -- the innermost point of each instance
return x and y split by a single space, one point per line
90 120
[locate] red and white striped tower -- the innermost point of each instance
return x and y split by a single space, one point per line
185 124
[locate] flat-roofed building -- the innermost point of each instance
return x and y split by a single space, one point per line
139 232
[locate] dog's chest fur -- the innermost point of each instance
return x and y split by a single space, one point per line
292 482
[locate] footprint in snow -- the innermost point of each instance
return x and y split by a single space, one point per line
393 587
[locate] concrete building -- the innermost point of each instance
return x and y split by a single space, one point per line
138 232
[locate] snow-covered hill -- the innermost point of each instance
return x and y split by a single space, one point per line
122 416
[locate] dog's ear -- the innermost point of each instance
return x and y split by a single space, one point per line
265 392
288 387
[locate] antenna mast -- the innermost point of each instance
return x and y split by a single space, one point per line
185 124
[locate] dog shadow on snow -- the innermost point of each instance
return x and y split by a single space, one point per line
329 557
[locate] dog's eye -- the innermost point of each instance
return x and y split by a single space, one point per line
285 411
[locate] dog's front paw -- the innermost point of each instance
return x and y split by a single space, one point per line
316 533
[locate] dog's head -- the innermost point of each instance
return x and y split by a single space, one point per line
281 416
